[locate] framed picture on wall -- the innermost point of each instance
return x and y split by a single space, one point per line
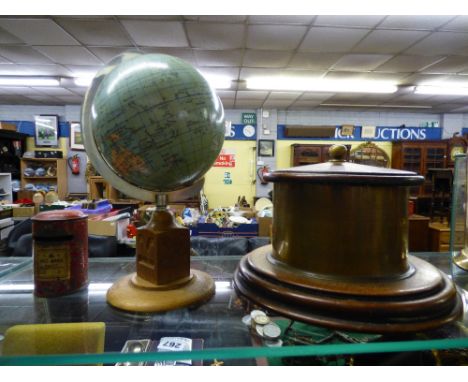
266 148
46 130
76 137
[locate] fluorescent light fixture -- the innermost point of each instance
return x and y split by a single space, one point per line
29 81
461 90
217 81
383 106
319 85
83 81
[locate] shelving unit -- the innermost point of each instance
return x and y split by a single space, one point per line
5 187
59 180
419 157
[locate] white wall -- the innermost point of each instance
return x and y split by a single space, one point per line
357 118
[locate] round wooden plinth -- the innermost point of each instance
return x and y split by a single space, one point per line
423 300
461 260
125 295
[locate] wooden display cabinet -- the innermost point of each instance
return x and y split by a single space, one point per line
419 157
56 174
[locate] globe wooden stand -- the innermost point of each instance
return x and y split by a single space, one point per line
163 280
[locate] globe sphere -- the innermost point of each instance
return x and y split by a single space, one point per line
153 121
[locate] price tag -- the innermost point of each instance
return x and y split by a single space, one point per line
176 344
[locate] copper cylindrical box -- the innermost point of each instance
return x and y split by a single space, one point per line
60 252
339 253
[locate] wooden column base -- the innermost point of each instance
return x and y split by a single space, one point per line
126 295
421 300
461 260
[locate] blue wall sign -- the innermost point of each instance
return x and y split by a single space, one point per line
28 127
382 133
241 132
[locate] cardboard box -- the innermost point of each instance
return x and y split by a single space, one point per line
7 126
103 228
21 212
212 230
264 226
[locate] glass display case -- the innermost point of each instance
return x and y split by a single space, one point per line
217 326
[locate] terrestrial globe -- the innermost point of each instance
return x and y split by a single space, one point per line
151 124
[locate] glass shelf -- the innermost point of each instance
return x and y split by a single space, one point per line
218 323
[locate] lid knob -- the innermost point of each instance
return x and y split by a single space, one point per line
337 153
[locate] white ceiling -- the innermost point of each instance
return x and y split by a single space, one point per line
409 50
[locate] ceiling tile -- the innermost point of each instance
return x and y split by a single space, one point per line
79 90
156 33
23 55
275 103
215 36
428 22
463 109
185 54
152 17
218 57
364 21
83 70
280 19
403 63
4 61
304 104
252 94
97 32
220 71
314 61
71 99
248 104
228 103
53 91
38 31
108 53
388 41
360 62
49 70
460 24
266 58
69 55
447 107
22 91
223 18
411 98
315 96
274 37
452 64
360 98
331 40
226 94
283 95
46 99
8 38
13 100
441 43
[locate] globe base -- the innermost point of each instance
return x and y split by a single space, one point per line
124 294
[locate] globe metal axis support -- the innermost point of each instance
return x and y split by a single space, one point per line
152 127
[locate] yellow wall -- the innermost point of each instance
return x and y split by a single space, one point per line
283 149
243 175
63 146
